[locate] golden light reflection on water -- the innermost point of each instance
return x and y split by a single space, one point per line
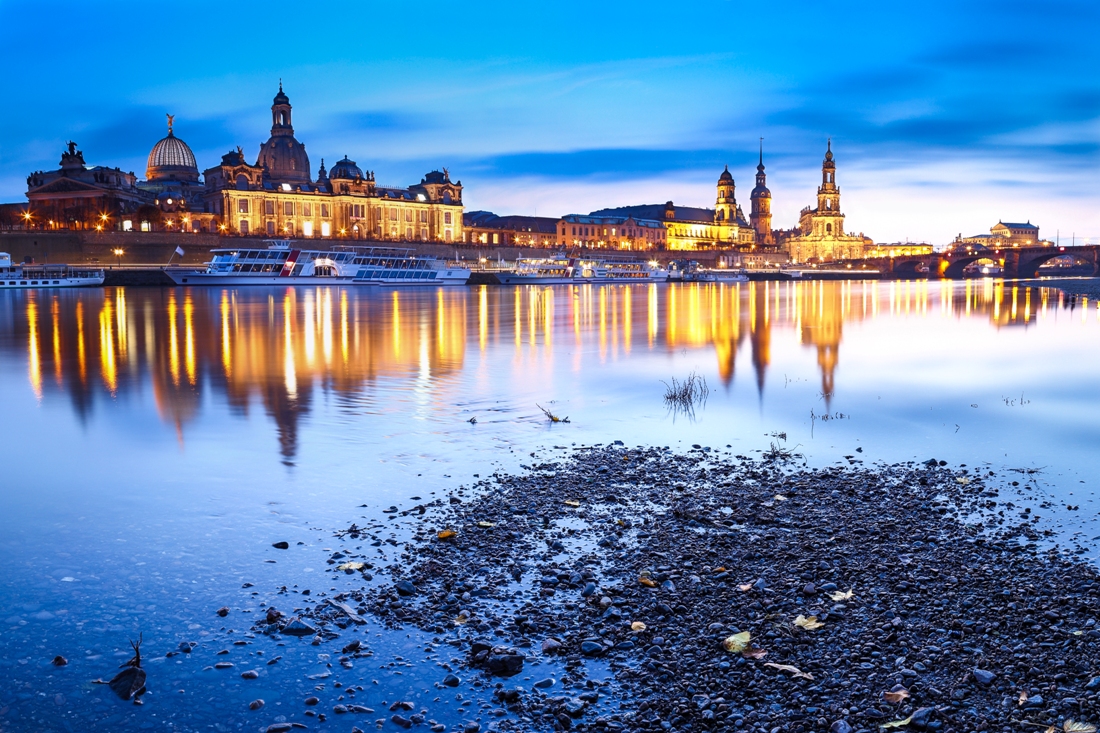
277 347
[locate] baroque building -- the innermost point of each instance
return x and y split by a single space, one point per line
277 196
689 228
78 197
1005 234
820 236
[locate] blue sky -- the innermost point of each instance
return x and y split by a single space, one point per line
945 116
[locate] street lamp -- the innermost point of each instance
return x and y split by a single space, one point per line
118 254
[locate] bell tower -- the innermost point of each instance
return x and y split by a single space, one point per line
280 114
725 208
761 212
828 222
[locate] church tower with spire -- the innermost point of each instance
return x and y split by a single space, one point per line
761 213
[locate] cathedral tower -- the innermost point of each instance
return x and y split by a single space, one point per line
761 212
725 208
827 220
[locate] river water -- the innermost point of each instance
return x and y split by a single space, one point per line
158 441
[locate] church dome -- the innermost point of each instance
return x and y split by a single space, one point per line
726 175
345 169
171 159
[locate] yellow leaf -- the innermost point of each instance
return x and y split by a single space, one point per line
447 534
1022 698
744 587
647 582
1078 633
838 596
486 525
736 644
719 569
897 723
637 626
809 624
571 502
788 668
963 480
1072 726
352 566
780 497
895 697
461 619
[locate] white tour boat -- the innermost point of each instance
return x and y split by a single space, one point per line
46 276
281 263
562 270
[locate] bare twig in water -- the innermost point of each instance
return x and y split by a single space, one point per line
686 395
777 454
551 416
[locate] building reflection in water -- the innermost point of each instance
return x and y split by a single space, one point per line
276 347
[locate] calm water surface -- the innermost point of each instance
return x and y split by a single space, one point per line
157 441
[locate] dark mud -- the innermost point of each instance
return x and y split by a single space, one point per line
631 567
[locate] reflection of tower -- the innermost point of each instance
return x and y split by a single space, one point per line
760 328
822 320
761 216
725 207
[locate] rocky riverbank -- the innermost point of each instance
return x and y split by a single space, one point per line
709 591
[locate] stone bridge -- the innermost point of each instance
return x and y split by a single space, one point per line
1018 262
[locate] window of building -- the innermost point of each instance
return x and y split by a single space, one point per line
424 233
269 208
307 209
145 226
496 238
289 227
408 215
423 216
288 208
446 217
127 225
244 226
393 214
271 229
307 227
326 228
447 235
242 206
324 211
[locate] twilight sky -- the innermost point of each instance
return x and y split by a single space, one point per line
945 116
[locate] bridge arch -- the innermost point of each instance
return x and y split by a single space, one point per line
1030 264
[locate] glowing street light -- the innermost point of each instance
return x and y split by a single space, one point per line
118 254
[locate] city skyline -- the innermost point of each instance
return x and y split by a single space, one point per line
978 120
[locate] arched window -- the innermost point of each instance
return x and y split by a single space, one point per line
282 118
242 182
828 228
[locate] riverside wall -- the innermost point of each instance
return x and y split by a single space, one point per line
157 248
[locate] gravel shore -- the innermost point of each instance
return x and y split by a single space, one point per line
869 594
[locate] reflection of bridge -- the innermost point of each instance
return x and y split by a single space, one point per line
1018 262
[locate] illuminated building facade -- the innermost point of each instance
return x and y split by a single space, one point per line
485 227
277 196
821 236
612 232
1006 234
898 249
690 228
78 197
